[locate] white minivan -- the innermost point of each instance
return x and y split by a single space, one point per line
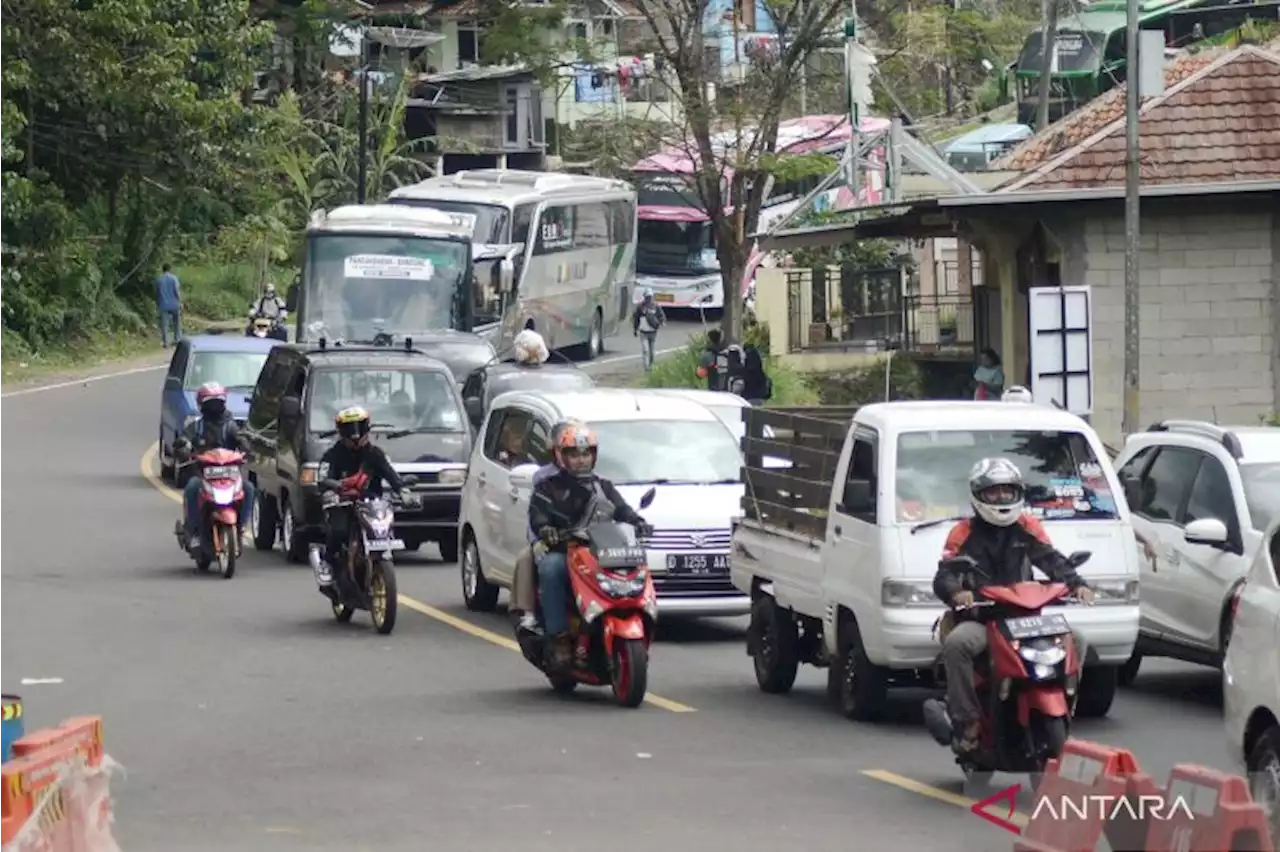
646 440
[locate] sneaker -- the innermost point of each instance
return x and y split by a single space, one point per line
193 542
528 622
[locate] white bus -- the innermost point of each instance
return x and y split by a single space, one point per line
571 240
376 274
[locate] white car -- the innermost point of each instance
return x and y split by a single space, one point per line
1251 678
1201 495
646 439
728 407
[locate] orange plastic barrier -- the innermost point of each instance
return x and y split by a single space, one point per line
1208 811
55 795
1086 776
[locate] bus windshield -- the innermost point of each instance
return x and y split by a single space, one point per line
493 224
671 248
356 286
665 190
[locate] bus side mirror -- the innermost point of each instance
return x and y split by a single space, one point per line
506 275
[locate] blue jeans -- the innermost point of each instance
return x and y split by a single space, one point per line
191 503
553 583
647 341
167 318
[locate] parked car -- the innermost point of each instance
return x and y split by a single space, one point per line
646 440
1202 495
233 361
487 383
839 554
418 419
462 351
1251 677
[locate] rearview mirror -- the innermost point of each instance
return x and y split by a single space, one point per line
522 475
290 408
475 409
647 500
1210 531
506 275
172 383
857 497
1132 491
1079 558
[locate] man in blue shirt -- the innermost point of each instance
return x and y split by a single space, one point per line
169 306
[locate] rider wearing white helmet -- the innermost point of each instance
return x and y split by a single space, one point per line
1017 393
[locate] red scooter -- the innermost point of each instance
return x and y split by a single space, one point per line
1026 681
613 609
221 499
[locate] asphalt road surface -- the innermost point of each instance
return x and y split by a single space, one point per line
248 719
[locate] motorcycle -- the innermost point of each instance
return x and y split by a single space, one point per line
264 327
365 576
1026 681
221 499
613 609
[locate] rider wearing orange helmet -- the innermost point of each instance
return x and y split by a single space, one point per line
558 505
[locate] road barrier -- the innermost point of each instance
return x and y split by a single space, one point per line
55 795
13 729
1096 791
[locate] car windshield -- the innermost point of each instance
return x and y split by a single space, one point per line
1062 475
492 221
233 370
418 400
541 379
673 248
686 451
357 285
1262 492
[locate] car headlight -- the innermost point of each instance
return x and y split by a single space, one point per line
1047 657
900 593
615 587
380 526
453 477
1115 591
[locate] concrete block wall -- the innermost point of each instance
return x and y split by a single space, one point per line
1209 317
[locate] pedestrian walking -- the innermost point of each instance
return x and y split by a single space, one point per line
169 305
646 320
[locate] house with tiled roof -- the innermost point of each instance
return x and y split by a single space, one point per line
1210 244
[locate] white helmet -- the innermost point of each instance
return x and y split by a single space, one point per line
996 491
1017 393
530 348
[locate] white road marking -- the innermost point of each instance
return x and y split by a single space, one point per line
617 358
80 382
40 681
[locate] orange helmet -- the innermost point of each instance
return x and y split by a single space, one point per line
576 449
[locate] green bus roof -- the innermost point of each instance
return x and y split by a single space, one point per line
1148 7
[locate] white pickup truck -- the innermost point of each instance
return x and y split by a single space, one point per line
839 552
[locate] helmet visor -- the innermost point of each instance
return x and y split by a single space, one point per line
578 460
1001 495
354 431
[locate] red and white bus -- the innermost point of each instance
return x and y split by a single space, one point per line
675 244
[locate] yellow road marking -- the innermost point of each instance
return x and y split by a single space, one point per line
150 475
936 793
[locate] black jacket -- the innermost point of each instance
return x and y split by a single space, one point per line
340 461
214 434
1004 555
560 501
657 318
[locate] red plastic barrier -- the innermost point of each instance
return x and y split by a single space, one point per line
1208 811
1070 814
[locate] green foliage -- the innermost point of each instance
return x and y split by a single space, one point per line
866 385
858 254
1272 419
680 371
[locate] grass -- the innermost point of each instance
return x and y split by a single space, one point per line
680 371
214 295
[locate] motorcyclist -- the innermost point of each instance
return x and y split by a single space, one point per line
351 454
269 306
1002 540
214 429
557 506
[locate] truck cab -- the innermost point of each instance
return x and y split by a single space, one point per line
839 552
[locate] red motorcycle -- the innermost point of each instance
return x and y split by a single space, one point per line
613 609
220 502
1026 681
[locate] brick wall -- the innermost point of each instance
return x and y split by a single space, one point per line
1210 321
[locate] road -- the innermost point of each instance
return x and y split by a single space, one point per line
247 719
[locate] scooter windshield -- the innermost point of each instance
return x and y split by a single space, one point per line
614 545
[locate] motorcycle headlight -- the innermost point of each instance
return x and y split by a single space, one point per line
1115 591
453 477
1043 657
900 593
620 588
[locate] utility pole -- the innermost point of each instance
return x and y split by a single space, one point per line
364 116
1049 47
1132 176
858 74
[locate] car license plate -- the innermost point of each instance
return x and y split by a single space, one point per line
1027 626
664 297
378 544
698 564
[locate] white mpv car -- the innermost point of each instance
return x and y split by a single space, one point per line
647 440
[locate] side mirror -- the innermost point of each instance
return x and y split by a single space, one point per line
172 383
647 500
857 497
506 275
522 475
1132 492
475 409
1079 558
1210 531
290 408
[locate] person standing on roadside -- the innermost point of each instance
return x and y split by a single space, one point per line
713 364
169 305
645 322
